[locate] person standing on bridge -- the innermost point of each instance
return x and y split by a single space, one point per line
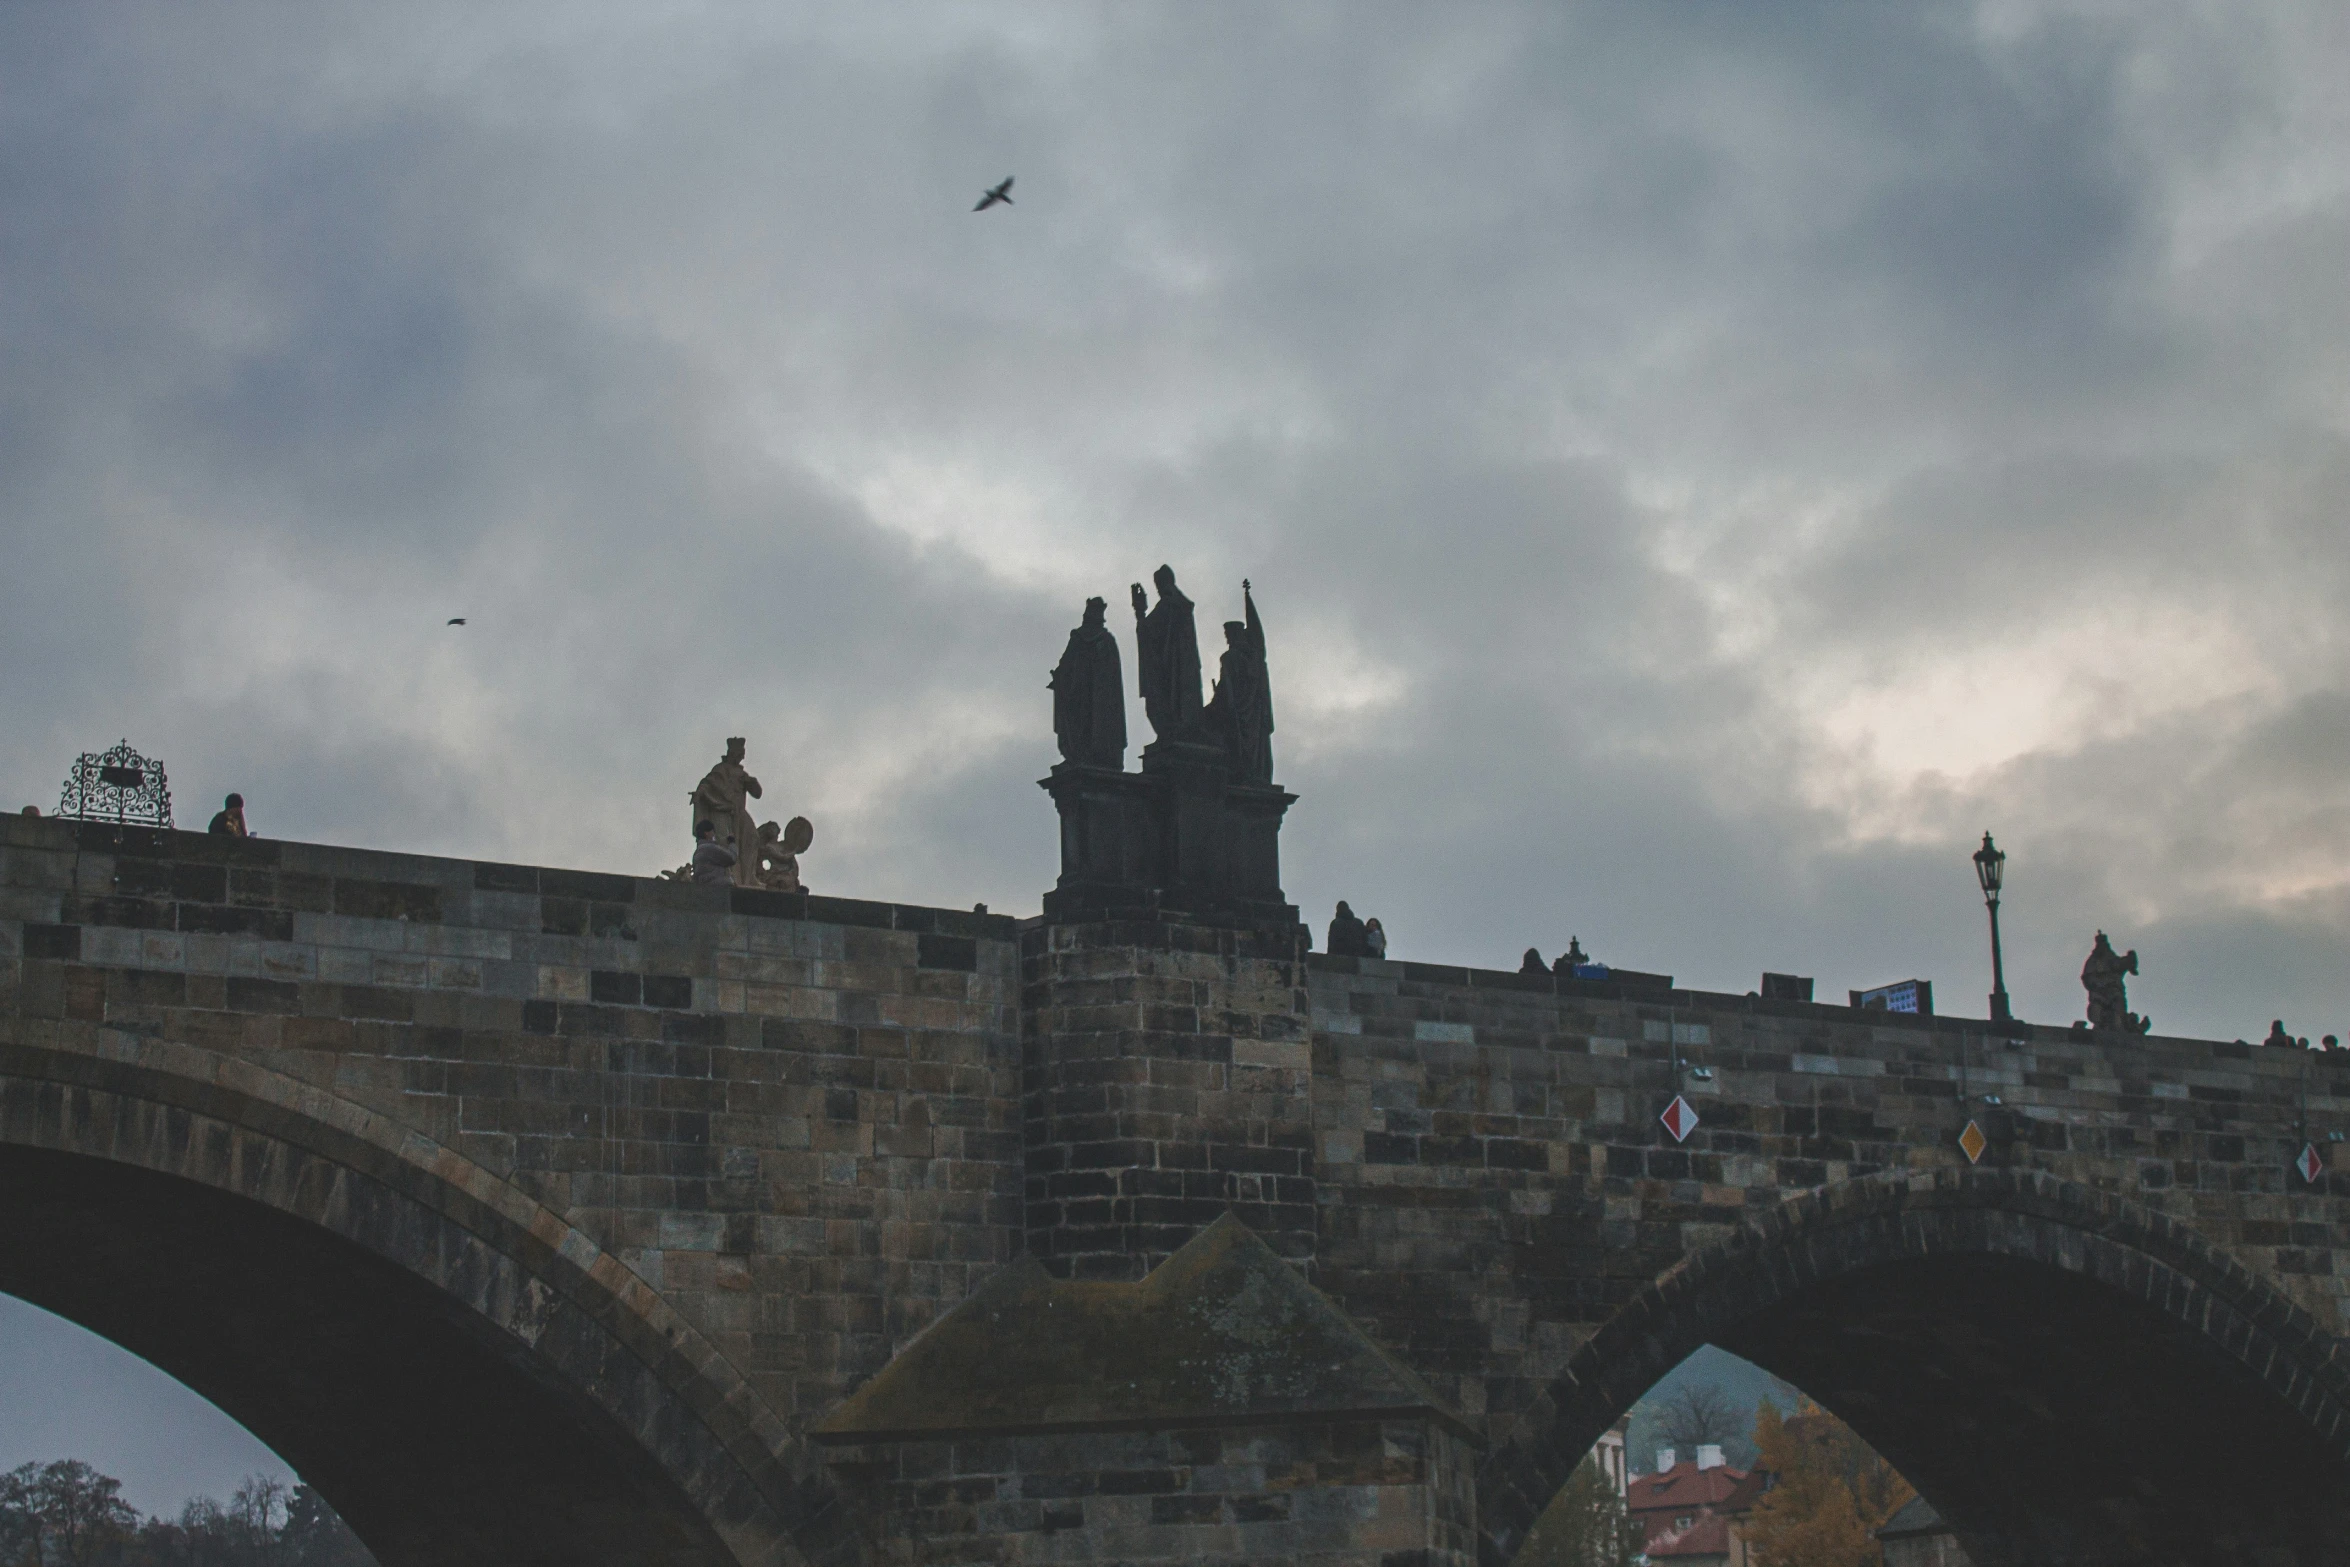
229 820
713 863
1346 935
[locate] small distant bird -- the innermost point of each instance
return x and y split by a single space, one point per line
1002 193
459 621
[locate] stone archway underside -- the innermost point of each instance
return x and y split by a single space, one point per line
465 1377
2070 1378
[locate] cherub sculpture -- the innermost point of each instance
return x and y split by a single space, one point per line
777 859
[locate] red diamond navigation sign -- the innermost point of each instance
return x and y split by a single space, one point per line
1972 1142
2311 1164
1679 1119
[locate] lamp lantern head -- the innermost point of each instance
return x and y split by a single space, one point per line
1990 866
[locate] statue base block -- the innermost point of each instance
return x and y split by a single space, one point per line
1178 840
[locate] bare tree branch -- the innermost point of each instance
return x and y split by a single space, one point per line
1698 1414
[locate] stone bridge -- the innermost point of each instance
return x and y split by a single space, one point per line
539 1216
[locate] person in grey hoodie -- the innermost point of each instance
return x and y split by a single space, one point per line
713 861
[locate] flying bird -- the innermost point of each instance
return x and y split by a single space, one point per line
1002 193
459 621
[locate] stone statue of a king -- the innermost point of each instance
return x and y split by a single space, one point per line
723 799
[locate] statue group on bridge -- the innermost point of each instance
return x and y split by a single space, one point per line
1089 687
733 848
1197 829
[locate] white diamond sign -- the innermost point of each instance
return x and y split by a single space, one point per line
1679 1119
2311 1164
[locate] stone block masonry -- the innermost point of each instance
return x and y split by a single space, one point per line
1166 1082
1494 1183
795 1117
743 1148
1381 1494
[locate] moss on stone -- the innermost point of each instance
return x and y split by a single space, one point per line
1222 1331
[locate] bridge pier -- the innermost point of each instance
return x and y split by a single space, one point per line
1166 1079
1156 1379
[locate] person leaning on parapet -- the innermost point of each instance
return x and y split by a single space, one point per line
713 861
1375 938
1534 965
229 820
1346 935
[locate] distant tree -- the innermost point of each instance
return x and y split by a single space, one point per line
1585 1525
20 1525
1830 1494
64 1514
67 1514
1700 1414
316 1536
255 1514
262 1525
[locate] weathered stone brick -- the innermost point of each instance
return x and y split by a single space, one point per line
811 1125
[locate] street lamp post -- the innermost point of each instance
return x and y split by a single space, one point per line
1990 866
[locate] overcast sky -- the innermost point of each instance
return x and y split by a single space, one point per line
1700 464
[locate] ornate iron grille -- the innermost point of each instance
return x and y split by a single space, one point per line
118 786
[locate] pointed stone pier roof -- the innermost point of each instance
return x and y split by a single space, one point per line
1223 1332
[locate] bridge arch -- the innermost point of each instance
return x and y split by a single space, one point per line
2068 1376
465 1376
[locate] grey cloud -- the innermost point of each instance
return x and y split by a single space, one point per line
1592 394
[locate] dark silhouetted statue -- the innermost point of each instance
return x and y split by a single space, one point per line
1242 712
1089 694
1195 833
2109 1002
1167 651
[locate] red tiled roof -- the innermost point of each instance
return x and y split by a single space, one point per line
1707 1535
1685 1486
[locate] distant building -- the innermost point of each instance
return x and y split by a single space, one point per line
1916 1536
1608 1451
1689 1511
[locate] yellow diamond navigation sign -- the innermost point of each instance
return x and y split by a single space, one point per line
1972 1142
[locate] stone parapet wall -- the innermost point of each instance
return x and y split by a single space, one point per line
796 1117
805 1128
1494 1181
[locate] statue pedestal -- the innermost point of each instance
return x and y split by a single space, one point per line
1107 842
1178 839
